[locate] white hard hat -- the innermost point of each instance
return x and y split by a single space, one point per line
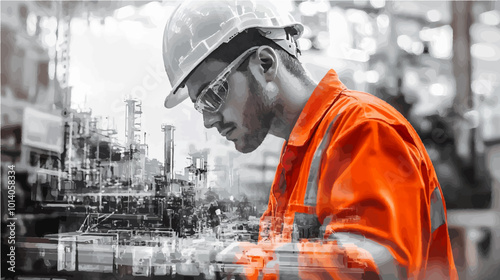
197 28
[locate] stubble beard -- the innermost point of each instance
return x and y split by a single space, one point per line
258 116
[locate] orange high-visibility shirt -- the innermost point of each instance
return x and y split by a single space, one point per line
354 172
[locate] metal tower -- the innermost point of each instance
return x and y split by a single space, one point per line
169 151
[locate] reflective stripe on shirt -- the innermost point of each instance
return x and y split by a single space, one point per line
437 210
310 227
312 180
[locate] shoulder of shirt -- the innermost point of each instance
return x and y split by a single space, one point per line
353 110
356 107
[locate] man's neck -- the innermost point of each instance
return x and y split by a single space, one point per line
293 96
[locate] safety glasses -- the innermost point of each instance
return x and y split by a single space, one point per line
213 96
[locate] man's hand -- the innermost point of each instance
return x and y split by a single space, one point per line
244 259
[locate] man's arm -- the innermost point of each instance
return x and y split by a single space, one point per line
374 200
369 185
373 191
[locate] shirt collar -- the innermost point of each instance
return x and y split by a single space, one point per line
321 99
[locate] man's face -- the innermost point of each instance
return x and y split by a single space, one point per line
245 116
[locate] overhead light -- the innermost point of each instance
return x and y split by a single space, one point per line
434 15
426 34
404 42
442 42
307 8
437 89
61 72
357 16
52 53
382 21
377 4
411 78
490 17
31 22
323 7
52 71
372 76
417 48
485 51
485 33
50 40
49 23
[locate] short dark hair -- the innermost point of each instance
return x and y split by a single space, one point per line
228 52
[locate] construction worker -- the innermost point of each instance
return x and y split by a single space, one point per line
354 181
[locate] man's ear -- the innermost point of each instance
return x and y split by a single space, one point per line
265 62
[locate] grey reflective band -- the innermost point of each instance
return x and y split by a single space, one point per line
437 210
312 180
308 225
387 266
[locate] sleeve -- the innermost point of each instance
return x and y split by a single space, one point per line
372 202
372 199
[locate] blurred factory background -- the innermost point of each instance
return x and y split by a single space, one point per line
82 90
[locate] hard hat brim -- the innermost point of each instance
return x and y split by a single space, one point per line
176 97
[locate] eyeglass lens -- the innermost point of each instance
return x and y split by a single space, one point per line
214 96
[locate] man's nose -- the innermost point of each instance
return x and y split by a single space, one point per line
210 119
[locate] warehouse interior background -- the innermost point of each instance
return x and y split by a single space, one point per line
83 84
